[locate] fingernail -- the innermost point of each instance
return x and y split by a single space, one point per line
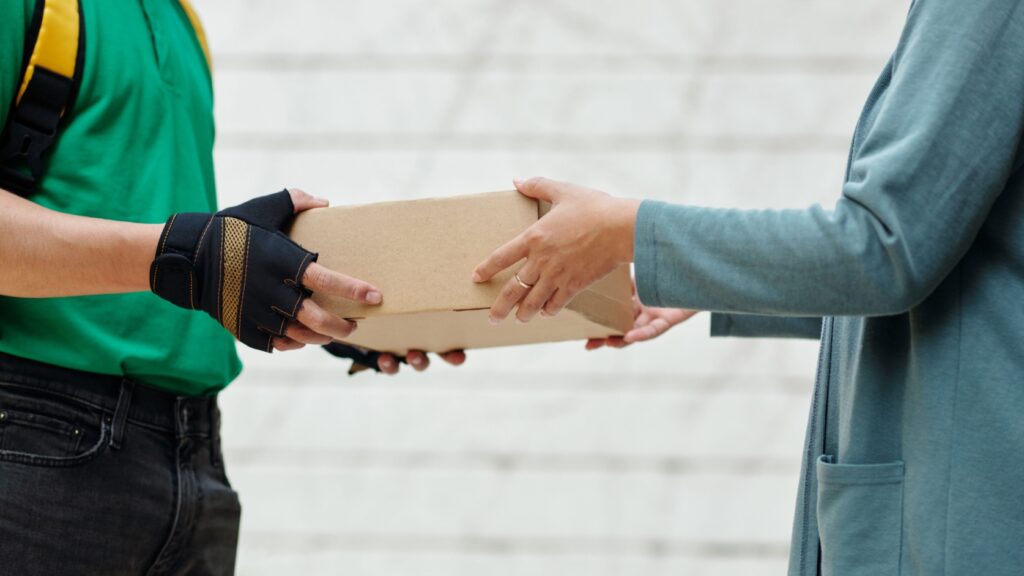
477 277
387 362
519 321
416 361
544 314
518 181
494 321
374 297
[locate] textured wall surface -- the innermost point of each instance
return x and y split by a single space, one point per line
678 457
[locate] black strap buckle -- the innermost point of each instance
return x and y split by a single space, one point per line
21 158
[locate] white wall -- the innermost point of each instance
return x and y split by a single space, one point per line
678 457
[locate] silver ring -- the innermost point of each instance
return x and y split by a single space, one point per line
521 283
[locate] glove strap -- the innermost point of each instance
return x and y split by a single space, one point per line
172 274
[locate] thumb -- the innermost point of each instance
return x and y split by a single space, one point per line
270 212
303 200
538 188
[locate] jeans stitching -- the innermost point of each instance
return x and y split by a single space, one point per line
59 462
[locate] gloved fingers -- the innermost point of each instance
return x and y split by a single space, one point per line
455 357
319 278
259 293
270 212
418 360
388 364
300 333
286 344
323 322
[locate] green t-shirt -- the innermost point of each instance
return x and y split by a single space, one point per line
138 147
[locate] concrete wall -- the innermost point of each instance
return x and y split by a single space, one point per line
678 457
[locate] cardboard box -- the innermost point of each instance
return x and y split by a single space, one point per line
421 254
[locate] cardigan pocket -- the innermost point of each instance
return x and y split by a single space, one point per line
860 518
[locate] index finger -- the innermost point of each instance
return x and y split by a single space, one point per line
321 279
513 251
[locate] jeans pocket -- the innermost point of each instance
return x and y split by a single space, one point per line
860 518
48 430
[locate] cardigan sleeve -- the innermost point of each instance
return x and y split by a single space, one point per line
756 326
935 154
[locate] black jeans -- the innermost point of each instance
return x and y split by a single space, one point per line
100 475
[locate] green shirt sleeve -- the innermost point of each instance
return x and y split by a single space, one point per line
13 20
934 150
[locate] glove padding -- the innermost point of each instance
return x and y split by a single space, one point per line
362 359
237 266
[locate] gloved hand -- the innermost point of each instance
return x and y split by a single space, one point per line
239 267
363 359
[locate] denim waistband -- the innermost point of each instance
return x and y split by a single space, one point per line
120 397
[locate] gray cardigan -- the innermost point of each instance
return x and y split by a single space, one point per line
914 460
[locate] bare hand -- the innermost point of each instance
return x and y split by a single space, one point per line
649 323
585 236
313 324
419 360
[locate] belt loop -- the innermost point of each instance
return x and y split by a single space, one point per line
214 432
181 416
124 401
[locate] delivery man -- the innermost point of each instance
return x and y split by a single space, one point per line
913 461
109 454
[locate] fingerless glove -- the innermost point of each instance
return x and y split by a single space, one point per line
237 266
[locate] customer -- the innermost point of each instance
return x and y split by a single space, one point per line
913 457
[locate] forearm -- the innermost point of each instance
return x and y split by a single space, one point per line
44 253
792 262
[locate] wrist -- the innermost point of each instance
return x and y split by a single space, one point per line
624 228
139 242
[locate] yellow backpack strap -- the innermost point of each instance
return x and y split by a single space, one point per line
197 25
51 74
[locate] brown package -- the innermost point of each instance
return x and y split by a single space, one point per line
421 255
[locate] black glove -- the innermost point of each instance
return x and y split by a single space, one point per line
235 265
362 359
